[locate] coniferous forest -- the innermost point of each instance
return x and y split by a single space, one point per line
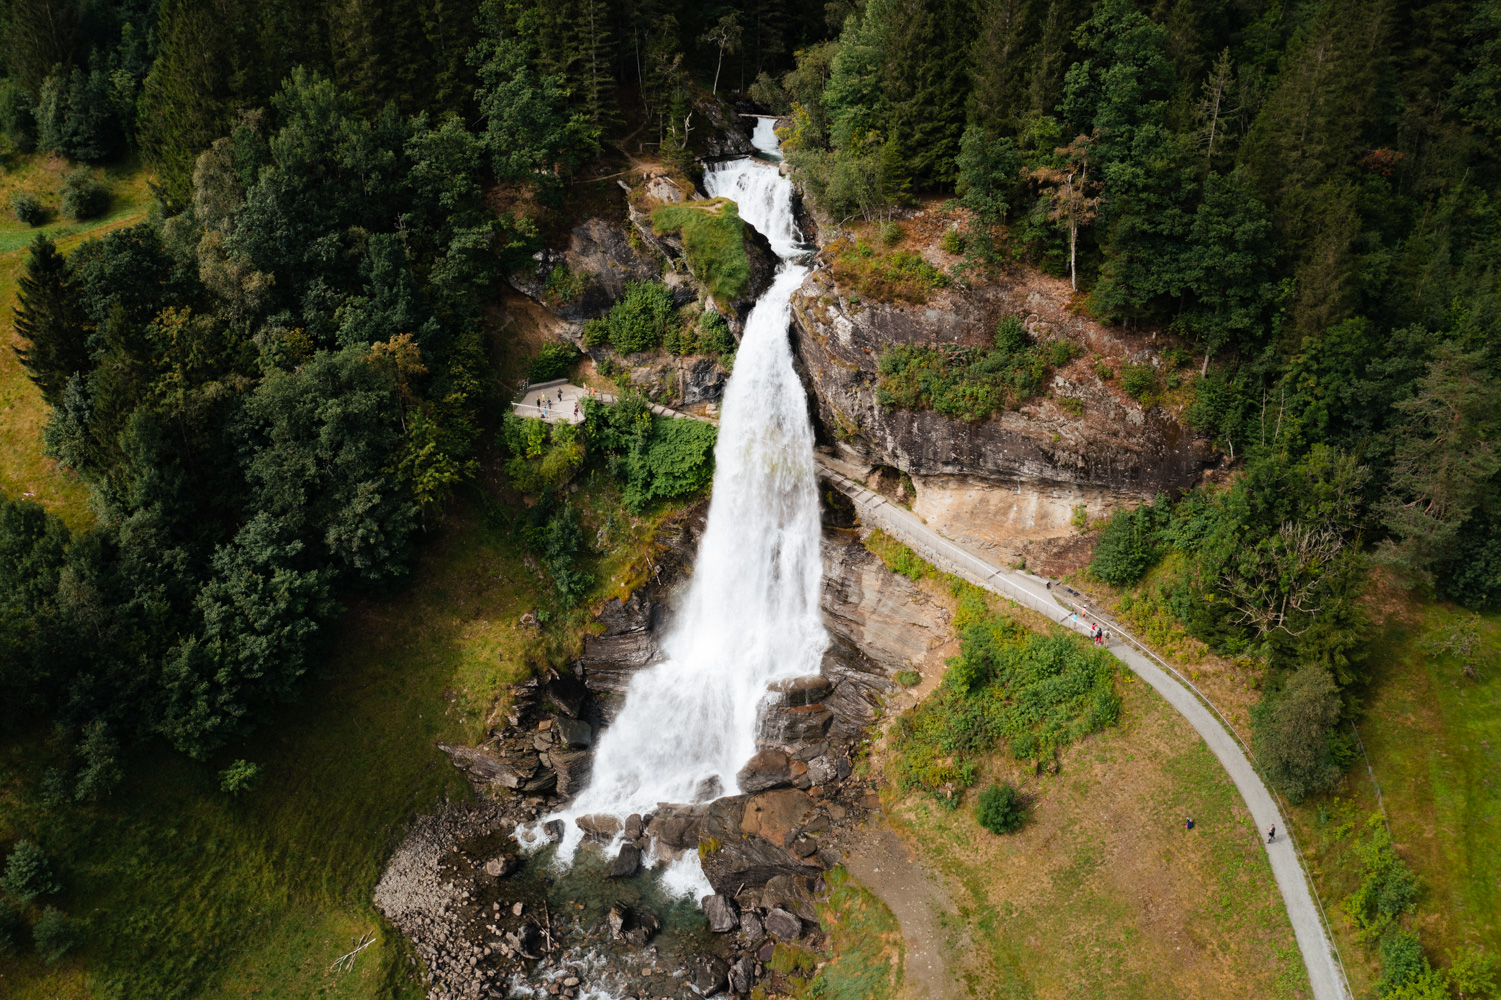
278 386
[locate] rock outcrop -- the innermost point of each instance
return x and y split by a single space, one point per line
1115 449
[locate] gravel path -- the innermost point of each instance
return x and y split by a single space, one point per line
885 866
1324 972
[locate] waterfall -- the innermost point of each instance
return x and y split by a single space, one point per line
752 610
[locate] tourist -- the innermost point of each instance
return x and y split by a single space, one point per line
1188 823
1271 833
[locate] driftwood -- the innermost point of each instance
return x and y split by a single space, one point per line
345 962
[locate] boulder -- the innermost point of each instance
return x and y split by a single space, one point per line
751 929
574 732
599 827
768 769
722 914
627 863
783 924
794 691
633 827
640 928
709 976
572 768
793 893
795 724
616 918
565 696
553 830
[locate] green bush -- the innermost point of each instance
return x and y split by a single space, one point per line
953 241
84 197
556 535
564 285
657 458
1128 543
1402 962
1292 731
1007 686
714 335
714 242
28 208
543 456
1000 809
28 874
1139 381
908 678
238 777
1388 888
638 322
892 233
966 382
55 935
902 274
552 361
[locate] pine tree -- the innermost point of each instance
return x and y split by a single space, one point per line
47 319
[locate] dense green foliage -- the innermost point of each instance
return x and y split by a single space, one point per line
714 241
1000 809
266 393
970 383
1032 693
28 208
886 277
552 361
640 321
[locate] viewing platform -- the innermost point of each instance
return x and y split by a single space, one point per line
560 401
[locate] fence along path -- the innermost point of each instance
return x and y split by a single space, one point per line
1326 973
555 402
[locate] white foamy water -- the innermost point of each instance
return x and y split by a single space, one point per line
752 610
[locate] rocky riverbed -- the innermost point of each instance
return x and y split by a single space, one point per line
487 920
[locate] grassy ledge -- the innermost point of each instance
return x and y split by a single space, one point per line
714 240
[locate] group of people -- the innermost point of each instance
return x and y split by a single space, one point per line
1096 630
544 402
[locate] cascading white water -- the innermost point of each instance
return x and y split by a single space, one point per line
752 610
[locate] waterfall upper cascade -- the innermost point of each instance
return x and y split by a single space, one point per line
751 615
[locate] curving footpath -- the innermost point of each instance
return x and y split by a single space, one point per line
1325 974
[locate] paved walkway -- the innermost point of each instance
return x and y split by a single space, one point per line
560 401
1325 974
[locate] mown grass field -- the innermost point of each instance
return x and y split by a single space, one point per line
1102 893
1434 742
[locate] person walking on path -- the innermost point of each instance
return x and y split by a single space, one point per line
1271 833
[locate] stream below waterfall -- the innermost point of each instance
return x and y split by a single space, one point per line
751 614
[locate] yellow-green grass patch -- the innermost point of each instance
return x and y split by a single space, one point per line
1102 892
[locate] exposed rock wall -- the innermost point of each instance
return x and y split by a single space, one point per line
1113 448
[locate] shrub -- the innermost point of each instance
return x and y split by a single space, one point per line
892 233
637 322
1388 888
564 285
238 777
560 542
1292 729
1402 962
714 242
28 208
83 196
1139 381
552 361
714 335
28 873
953 241
55 935
908 678
101 771
676 462
1129 543
543 455
1000 809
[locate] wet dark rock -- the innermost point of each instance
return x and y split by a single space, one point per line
502 865
553 829
627 863
598 827
708 789
616 919
804 846
795 691
633 827
784 925
640 928
721 912
565 695
709 976
610 659
572 768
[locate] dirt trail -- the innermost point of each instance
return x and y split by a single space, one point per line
886 867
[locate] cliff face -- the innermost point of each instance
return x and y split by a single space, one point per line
1112 452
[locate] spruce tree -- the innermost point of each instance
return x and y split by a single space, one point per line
47 319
